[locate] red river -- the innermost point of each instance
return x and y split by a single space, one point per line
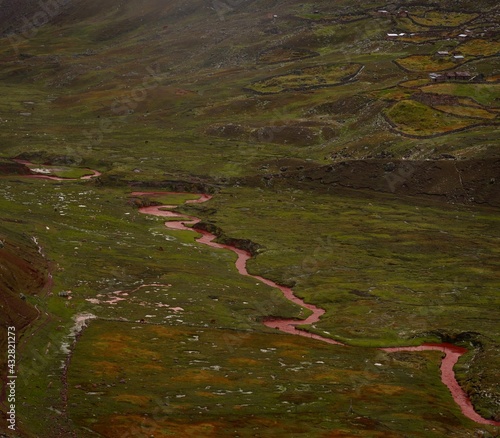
451 352
42 175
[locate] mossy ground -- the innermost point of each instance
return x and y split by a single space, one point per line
307 78
426 63
484 94
441 18
224 383
338 251
418 119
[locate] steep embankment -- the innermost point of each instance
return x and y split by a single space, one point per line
462 181
10 167
23 271
23 267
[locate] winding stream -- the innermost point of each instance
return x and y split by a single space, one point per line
44 173
451 352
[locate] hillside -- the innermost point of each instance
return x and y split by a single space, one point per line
351 149
142 82
23 271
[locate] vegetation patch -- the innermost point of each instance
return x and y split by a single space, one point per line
348 105
327 17
415 118
418 39
479 47
414 83
467 111
285 54
292 134
317 17
425 63
408 25
220 383
352 17
394 94
307 78
442 18
486 94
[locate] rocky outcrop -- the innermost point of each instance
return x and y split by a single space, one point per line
245 244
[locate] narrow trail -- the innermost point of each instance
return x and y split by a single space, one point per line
451 352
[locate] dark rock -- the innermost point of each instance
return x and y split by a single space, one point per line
245 244
448 157
389 167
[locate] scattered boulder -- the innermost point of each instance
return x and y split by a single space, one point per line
389 167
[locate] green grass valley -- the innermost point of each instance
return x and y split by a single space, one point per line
349 151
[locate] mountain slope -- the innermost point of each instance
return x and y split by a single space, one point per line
159 76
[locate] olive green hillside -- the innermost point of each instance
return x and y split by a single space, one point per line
201 89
